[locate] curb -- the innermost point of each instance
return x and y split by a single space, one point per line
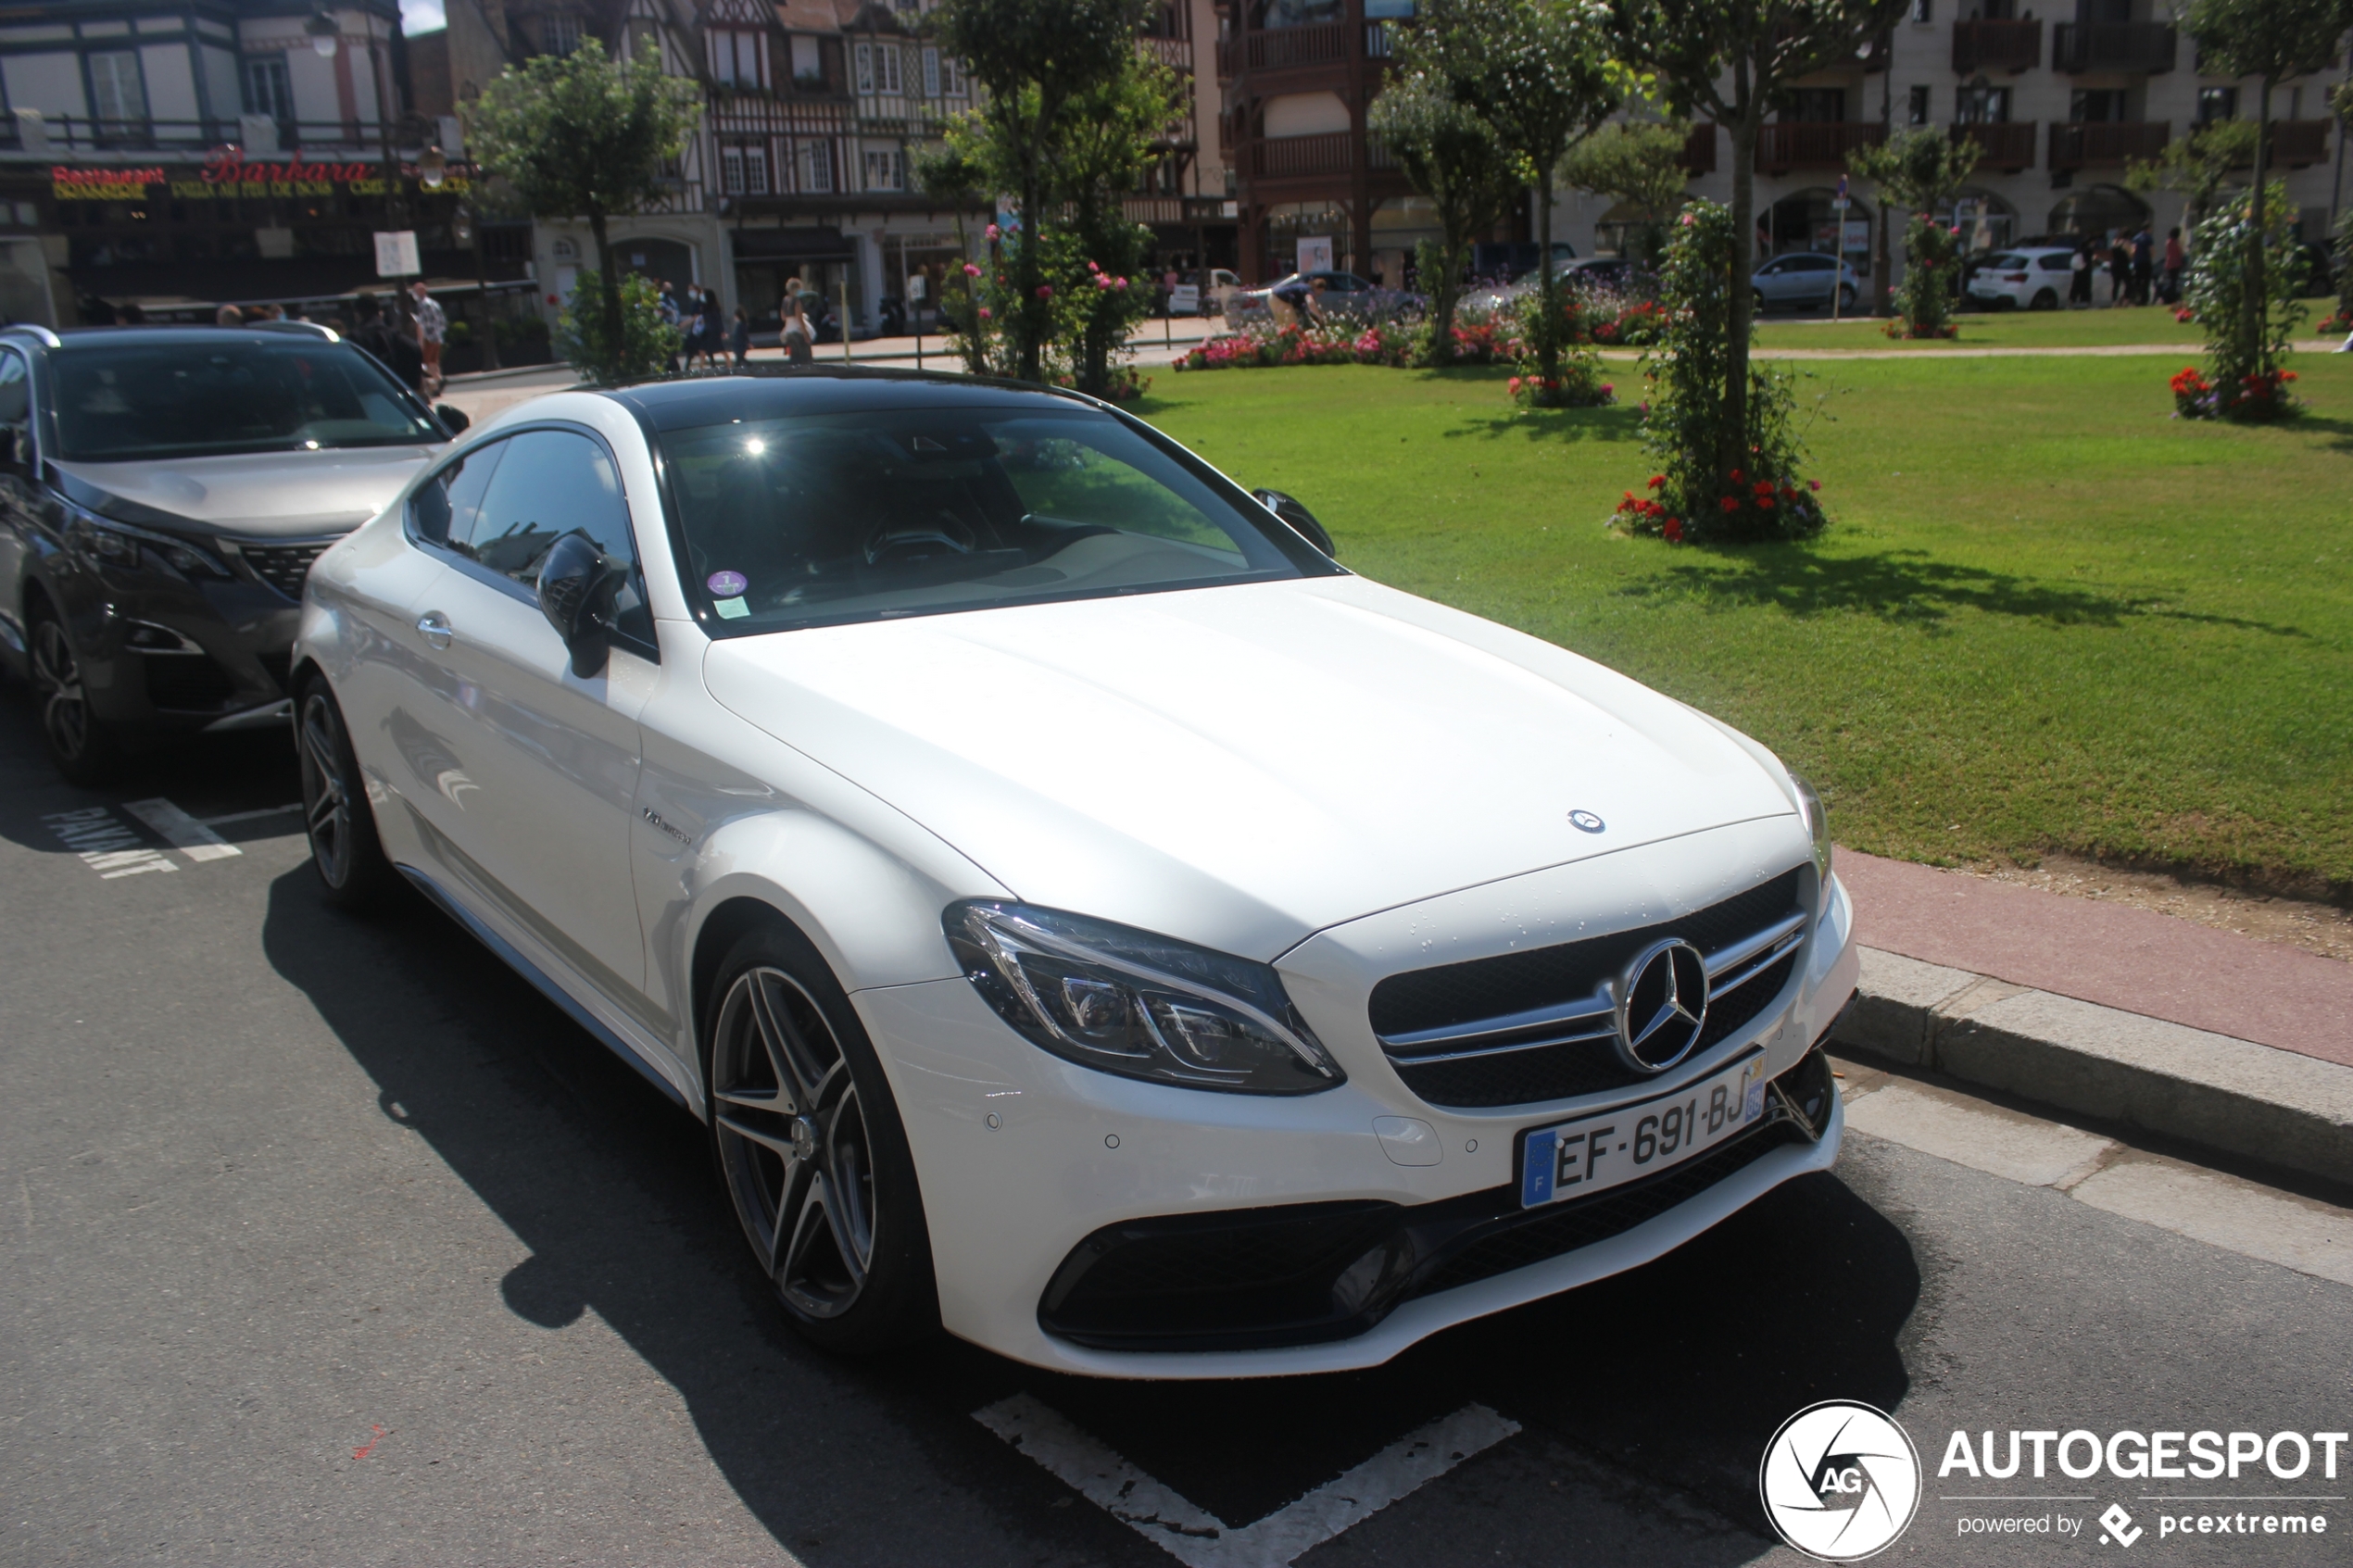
2210 1090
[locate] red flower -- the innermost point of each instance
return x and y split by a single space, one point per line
1813 484
1730 505
1736 476
1674 530
1658 480
1764 487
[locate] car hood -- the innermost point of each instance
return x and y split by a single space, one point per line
258 495
1243 766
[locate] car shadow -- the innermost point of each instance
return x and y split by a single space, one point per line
1911 586
1672 1377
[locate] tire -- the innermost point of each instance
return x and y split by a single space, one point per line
81 747
2046 300
336 816
809 1144
1845 300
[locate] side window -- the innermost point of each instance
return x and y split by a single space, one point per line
551 482
444 506
15 393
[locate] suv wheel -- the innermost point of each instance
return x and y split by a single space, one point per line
80 744
335 813
807 1141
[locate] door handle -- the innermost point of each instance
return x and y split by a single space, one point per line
433 627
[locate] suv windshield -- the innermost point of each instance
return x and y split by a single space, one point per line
119 403
861 516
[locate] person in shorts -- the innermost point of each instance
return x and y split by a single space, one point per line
433 326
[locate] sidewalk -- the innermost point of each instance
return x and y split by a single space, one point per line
2111 1011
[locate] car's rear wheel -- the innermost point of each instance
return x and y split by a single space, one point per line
2046 300
1847 298
809 1143
342 826
79 742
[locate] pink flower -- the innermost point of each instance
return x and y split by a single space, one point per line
1045 290
971 270
995 233
1121 283
984 313
1813 484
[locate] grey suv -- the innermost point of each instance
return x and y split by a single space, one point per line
163 492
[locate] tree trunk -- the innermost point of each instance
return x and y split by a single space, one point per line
2259 353
1732 451
611 290
1548 351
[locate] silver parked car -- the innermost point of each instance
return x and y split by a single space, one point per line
1804 280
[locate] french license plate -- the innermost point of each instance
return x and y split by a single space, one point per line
1594 1153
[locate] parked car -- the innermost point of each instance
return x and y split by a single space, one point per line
1803 280
1085 915
163 491
1345 294
1503 262
1222 285
1589 272
2030 278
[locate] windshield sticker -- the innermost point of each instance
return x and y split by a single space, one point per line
731 609
727 584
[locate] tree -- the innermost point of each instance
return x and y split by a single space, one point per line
1637 164
647 345
1734 60
1449 154
2199 168
1541 74
2271 40
1920 171
580 136
1035 59
1111 140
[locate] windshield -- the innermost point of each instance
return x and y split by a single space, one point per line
179 400
861 516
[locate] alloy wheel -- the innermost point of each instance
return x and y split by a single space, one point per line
326 794
793 1142
57 679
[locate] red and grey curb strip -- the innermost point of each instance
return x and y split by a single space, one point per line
2211 1090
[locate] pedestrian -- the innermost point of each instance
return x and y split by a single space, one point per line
2144 266
2120 269
739 338
1295 303
2079 283
394 348
228 315
432 325
798 349
714 330
2175 262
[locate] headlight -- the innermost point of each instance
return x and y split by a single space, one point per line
1126 1001
1817 822
101 541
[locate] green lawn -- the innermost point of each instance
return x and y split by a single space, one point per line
2004 328
2047 616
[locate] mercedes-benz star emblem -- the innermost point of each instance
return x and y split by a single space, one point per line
1585 822
1662 1002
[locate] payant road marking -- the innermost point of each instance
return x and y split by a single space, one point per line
1200 1539
186 833
105 845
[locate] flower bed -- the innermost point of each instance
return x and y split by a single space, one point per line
2258 397
1336 344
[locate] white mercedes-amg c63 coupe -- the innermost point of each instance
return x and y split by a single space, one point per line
1086 917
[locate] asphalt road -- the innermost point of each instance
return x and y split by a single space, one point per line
328 1240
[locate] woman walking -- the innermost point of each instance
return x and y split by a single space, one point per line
714 330
739 338
798 349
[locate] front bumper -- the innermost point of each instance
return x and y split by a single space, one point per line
228 671
1023 1158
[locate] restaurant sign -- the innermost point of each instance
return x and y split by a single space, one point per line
226 174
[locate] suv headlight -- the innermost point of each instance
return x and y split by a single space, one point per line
101 541
1817 822
1126 1001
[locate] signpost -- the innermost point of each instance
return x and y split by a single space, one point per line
1838 256
396 254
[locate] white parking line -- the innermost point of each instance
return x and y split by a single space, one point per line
255 815
188 835
105 845
1199 1539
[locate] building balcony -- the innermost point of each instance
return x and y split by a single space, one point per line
46 137
2012 46
2006 145
2081 145
2299 144
1292 48
1285 158
2079 47
1792 145
1698 150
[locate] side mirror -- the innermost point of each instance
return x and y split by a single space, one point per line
1302 521
453 418
577 586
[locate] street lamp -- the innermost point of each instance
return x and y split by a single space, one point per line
433 168
326 37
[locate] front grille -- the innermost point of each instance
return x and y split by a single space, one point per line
284 566
187 683
1529 1064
